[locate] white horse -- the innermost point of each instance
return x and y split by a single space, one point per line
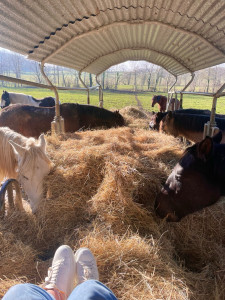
15 98
24 159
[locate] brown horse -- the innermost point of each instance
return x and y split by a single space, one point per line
197 180
31 121
190 126
162 101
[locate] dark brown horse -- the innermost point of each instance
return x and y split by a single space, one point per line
190 126
156 118
197 180
32 121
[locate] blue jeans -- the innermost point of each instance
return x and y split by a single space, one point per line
88 290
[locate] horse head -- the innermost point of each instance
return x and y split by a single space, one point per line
5 101
33 166
168 124
154 100
155 120
196 181
119 118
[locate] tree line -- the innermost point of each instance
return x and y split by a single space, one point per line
140 77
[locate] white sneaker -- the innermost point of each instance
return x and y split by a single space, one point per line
86 267
61 275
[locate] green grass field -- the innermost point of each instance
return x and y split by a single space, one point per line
118 100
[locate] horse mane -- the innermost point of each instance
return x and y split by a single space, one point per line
8 162
190 122
195 122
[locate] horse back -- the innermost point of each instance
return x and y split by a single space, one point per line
26 119
190 126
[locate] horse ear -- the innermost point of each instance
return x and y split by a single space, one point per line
42 141
204 149
218 137
18 150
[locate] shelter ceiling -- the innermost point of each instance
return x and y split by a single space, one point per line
181 36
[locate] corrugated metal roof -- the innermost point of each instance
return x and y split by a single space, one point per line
92 35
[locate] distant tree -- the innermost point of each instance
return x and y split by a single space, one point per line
117 79
169 81
36 71
158 75
143 79
149 71
64 76
90 80
208 78
16 62
76 78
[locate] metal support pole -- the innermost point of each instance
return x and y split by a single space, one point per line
173 84
181 101
170 97
57 126
213 113
210 127
100 92
169 101
175 104
87 89
187 85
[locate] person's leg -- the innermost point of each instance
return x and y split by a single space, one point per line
27 291
61 275
92 290
88 287
58 285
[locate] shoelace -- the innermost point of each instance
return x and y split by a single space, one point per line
52 273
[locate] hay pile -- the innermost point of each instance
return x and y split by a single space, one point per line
136 118
100 194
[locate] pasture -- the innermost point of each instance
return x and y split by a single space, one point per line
100 194
118 100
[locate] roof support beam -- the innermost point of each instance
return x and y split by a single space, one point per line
169 97
148 49
138 22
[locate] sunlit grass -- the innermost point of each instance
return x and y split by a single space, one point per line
119 99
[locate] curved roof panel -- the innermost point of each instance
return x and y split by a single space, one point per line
181 36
